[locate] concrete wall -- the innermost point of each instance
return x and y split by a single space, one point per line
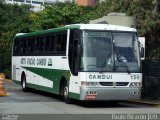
116 20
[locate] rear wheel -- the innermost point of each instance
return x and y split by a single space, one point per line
66 94
23 83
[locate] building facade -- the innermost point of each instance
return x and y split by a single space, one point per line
37 4
86 2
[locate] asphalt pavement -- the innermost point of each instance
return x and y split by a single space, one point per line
40 105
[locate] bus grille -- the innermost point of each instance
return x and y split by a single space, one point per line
113 83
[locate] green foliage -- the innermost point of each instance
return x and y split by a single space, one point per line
5 53
155 53
61 14
142 10
13 19
147 16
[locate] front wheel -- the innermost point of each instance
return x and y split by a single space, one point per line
66 94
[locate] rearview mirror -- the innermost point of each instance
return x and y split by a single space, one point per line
142 52
142 47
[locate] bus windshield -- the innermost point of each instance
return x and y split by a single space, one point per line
108 51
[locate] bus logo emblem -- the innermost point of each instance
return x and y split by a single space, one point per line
114 84
49 62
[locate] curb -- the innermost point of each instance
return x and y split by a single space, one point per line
8 81
154 104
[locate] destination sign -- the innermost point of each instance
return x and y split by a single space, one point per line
99 34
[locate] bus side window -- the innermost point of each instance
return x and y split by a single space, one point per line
15 48
41 45
32 45
52 43
58 43
36 49
29 46
21 46
18 46
47 38
64 42
24 46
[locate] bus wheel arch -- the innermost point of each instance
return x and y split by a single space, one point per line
64 90
23 82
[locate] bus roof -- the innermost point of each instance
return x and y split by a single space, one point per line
104 27
78 26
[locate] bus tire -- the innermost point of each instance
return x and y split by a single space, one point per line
66 93
23 83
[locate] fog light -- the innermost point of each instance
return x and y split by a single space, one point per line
136 93
136 84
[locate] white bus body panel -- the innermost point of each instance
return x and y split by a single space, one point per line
20 63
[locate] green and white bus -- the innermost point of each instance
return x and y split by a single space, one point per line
80 61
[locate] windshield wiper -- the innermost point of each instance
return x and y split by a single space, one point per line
124 64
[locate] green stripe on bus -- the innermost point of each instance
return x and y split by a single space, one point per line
37 87
42 88
52 75
50 90
74 95
48 31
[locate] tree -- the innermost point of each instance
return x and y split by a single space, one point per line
13 19
61 14
147 18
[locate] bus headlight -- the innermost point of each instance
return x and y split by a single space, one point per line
89 84
135 84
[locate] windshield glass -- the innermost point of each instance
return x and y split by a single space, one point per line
126 52
109 51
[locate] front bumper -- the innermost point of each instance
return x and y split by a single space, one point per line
103 93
